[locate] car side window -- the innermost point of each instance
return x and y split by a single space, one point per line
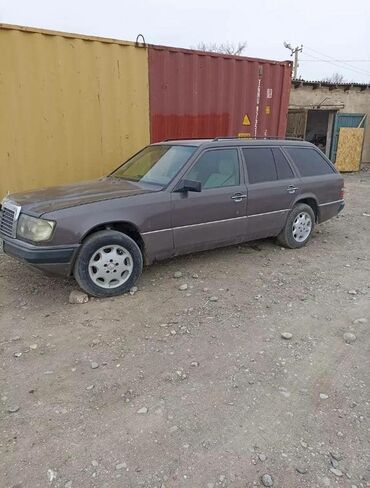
309 162
260 164
284 171
216 168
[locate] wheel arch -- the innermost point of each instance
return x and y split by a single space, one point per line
125 227
312 202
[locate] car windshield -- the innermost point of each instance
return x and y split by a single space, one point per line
155 164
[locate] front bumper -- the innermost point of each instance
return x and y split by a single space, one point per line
52 259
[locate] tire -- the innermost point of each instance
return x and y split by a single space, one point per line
108 264
298 227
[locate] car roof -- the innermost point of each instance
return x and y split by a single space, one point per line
234 141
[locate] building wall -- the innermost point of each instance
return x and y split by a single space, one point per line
352 101
72 107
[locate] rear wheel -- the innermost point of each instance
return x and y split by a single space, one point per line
298 227
108 264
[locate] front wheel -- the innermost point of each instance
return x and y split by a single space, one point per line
298 227
109 263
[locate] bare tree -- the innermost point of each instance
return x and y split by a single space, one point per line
334 78
222 48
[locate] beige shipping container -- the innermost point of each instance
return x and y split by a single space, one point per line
71 107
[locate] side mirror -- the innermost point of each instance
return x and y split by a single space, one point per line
188 185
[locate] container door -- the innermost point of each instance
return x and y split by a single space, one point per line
215 216
344 120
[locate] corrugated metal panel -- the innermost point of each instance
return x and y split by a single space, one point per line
71 108
196 94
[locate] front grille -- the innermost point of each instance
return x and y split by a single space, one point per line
8 219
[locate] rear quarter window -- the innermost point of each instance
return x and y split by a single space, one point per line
309 162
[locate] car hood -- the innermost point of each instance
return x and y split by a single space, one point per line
47 200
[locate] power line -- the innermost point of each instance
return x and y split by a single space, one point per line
350 68
346 65
341 60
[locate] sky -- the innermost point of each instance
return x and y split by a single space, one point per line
335 34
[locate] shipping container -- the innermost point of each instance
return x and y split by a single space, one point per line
72 107
198 94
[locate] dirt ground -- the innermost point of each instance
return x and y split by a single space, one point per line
196 388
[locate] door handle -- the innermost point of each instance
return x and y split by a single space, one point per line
292 189
238 197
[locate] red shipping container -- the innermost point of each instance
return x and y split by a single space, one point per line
196 94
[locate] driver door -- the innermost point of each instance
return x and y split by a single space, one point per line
216 216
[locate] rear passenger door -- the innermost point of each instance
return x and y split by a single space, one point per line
272 188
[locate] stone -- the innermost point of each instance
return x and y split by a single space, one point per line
334 463
352 292
362 320
349 338
177 274
13 409
301 469
77 297
90 387
121 466
33 346
142 410
304 444
213 299
51 474
286 335
336 471
195 364
324 396
336 456
95 463
262 457
195 276
94 365
133 290
17 354
267 480
183 287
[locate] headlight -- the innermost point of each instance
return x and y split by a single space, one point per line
34 229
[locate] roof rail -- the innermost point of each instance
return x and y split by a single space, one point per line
186 139
259 138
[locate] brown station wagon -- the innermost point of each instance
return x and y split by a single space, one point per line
172 198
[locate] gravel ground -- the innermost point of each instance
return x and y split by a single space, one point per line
256 375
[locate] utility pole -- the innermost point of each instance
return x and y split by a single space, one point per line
295 51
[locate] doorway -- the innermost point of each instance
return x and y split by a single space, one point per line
314 126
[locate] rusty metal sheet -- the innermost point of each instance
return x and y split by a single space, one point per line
197 94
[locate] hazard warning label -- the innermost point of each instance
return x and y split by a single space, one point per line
246 120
